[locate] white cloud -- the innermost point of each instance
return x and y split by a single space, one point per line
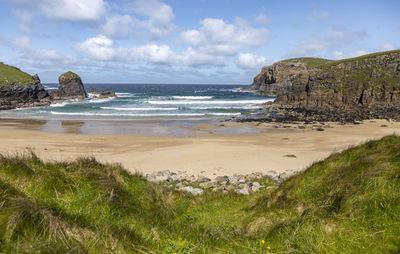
150 53
334 38
387 47
160 16
220 38
76 10
98 48
46 54
49 57
193 58
337 55
250 61
318 16
25 20
261 19
118 25
101 48
23 42
155 9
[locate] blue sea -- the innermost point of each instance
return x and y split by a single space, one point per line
150 101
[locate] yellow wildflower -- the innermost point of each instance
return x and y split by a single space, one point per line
269 248
262 241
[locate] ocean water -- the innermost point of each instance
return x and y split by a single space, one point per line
151 101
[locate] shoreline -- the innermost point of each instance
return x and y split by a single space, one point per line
211 150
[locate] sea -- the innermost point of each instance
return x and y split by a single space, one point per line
150 101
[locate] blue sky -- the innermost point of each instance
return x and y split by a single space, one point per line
187 41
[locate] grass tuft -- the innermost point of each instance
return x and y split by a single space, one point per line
348 203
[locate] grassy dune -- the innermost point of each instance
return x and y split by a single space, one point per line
349 203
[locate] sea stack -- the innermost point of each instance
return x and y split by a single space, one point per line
71 86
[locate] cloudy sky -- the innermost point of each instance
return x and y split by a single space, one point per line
187 41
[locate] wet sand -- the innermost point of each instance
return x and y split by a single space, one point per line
206 148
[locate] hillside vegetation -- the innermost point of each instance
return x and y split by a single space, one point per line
12 75
314 62
310 62
348 203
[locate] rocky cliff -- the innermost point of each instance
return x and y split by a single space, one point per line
368 81
19 89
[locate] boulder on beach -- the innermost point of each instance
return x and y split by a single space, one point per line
71 86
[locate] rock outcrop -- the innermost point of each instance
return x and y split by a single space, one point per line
280 78
19 89
70 87
371 81
102 94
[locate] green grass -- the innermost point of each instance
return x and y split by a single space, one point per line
348 203
70 75
11 75
360 58
312 62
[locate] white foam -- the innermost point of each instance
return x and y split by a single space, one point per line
50 88
56 105
192 97
210 102
103 114
223 114
122 95
138 109
217 107
62 104
99 100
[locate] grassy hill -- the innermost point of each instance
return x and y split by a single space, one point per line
348 203
12 75
313 62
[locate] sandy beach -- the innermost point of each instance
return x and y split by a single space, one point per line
211 148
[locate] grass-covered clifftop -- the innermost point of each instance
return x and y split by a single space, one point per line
348 203
314 62
70 75
12 75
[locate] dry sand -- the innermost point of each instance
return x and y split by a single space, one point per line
269 148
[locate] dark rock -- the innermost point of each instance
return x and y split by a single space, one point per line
102 94
36 78
22 96
343 91
71 86
222 179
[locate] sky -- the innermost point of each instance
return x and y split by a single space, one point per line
187 41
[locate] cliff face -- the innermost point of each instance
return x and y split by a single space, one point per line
22 96
367 81
19 89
